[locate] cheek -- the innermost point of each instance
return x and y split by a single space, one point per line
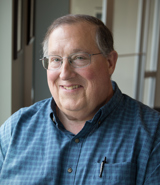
93 80
96 74
51 76
88 73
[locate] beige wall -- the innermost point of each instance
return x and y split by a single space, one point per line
124 33
6 59
90 7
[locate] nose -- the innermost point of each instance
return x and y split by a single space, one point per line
66 71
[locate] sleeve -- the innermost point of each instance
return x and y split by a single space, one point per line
6 134
153 168
1 157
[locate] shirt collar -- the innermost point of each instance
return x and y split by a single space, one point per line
108 108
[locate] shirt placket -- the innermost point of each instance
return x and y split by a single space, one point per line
71 161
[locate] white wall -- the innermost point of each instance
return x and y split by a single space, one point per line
5 58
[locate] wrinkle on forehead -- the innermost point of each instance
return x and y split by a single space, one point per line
81 32
88 30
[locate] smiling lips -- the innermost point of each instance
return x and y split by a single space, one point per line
71 87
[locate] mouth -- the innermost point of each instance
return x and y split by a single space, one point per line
71 87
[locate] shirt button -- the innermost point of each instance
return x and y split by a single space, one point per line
69 170
77 140
99 122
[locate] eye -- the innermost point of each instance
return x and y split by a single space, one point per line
80 57
54 59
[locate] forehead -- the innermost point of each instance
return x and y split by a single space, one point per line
82 27
81 34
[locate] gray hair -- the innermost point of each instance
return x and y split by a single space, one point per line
104 39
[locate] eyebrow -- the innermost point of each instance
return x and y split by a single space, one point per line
73 51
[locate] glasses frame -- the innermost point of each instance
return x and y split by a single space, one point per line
68 58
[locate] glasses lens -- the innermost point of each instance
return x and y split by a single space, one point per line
54 62
51 63
80 59
45 62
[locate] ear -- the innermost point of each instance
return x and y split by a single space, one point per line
112 59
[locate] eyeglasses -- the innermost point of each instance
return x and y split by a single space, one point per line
77 60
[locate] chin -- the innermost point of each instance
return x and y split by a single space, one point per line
71 106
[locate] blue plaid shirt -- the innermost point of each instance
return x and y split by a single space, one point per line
35 148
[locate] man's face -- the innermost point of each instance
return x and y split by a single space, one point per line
79 92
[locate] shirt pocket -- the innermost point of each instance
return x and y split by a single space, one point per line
115 174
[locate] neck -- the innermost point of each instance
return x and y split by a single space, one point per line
70 123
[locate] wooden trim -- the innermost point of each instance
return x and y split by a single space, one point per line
157 109
17 28
131 54
30 21
150 74
110 13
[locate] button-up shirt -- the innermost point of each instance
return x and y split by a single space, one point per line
120 145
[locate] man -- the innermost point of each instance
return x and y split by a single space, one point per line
88 132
